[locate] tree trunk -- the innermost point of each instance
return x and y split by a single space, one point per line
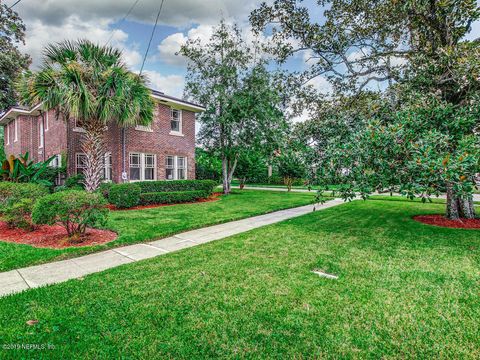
228 168
93 147
289 182
459 208
226 184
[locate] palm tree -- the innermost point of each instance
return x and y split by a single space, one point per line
91 84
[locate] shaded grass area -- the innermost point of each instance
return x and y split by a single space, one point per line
405 290
142 225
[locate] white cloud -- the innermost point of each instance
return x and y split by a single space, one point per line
305 115
170 46
169 84
180 14
39 34
321 84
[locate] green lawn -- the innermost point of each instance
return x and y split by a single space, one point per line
144 225
405 290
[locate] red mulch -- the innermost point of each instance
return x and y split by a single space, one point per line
213 197
54 237
440 220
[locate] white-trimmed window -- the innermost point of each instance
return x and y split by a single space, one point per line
15 124
7 133
46 121
143 167
80 163
56 161
41 140
175 121
107 167
175 167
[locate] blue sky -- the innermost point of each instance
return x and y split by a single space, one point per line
56 20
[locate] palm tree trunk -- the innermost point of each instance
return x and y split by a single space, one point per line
93 147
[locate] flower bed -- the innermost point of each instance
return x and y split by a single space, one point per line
54 237
440 220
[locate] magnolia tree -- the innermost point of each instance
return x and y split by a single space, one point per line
242 99
426 141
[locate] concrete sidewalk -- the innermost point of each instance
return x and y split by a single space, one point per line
35 276
476 197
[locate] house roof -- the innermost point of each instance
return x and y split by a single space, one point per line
14 111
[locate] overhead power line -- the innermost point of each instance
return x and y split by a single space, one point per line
15 3
151 36
122 20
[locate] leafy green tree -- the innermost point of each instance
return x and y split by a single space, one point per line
251 165
291 167
91 84
207 165
360 42
432 74
243 104
12 62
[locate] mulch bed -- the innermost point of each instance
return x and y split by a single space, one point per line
213 197
440 220
54 237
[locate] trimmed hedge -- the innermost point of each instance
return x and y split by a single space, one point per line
124 195
177 185
172 197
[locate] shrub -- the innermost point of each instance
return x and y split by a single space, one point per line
178 185
75 181
104 189
75 210
124 195
22 169
17 215
13 192
172 197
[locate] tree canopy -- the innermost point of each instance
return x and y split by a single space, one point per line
419 133
91 84
12 62
242 99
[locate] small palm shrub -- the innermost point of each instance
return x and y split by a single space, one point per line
74 209
23 170
124 196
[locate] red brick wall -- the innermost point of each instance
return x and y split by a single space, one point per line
162 143
59 137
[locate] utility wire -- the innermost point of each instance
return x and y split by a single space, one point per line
15 3
151 37
121 21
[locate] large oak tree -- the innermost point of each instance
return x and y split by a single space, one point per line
416 53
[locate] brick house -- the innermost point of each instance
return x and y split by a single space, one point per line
163 151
